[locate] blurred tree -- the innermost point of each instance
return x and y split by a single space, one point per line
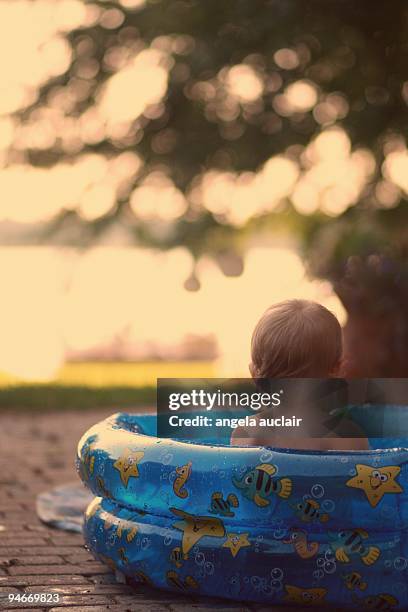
249 80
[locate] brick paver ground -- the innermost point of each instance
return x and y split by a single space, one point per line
37 452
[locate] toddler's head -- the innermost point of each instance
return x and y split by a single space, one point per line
296 339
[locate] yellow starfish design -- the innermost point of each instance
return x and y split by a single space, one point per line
375 482
236 541
304 597
196 527
127 465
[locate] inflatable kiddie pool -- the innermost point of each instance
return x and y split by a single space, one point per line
259 524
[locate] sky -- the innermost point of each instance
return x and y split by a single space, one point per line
55 302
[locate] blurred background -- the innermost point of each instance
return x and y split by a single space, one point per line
170 168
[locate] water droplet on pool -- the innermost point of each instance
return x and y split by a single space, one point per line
199 558
387 511
277 585
266 456
256 581
276 573
328 505
145 543
267 588
317 491
400 563
209 567
330 567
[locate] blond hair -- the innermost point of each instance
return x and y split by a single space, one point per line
296 338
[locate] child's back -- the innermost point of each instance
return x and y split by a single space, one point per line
299 339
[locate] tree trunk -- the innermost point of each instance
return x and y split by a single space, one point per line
376 345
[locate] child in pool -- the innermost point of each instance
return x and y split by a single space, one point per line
303 340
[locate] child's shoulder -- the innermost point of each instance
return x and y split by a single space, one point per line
250 436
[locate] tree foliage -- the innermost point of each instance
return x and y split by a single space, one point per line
356 51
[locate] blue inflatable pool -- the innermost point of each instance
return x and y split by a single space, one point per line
259 524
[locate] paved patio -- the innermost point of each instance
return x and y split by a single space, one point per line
37 452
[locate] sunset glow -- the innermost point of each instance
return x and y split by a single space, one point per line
65 301
69 300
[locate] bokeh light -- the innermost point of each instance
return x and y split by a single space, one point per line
39 51
244 83
131 90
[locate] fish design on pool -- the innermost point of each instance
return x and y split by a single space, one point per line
351 543
258 484
222 506
309 511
